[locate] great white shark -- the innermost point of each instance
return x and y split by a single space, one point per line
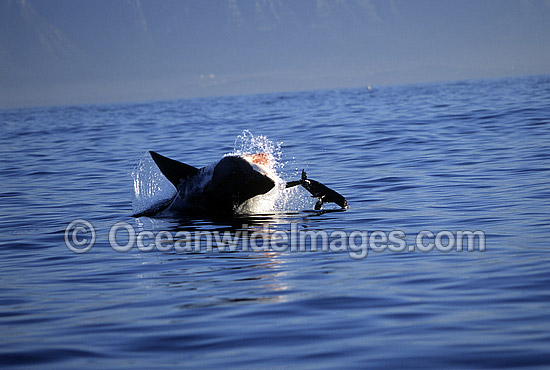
222 190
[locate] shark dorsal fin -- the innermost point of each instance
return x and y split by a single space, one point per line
174 171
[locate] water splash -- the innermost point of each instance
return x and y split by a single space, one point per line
150 185
247 143
279 199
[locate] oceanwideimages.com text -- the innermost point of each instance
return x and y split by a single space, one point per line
80 236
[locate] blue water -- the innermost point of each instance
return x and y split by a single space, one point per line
471 155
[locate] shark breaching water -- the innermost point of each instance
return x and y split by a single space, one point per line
221 190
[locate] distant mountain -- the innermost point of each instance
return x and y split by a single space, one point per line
59 37
187 48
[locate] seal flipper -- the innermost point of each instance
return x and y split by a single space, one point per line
291 184
319 205
175 171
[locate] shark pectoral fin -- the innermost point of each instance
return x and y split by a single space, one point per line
173 170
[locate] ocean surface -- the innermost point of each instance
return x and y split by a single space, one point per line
435 159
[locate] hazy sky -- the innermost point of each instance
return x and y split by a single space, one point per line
67 52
